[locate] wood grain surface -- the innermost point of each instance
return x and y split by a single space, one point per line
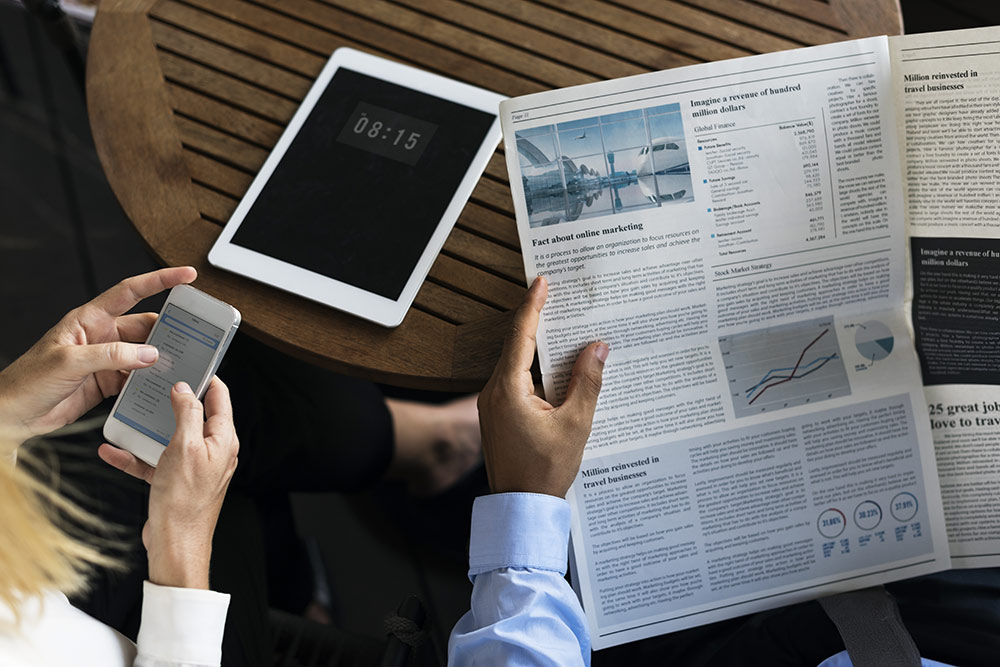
187 97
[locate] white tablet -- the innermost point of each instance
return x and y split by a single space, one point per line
359 194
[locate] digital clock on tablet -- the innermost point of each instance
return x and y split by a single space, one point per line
383 132
362 189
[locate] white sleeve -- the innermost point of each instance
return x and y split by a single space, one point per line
181 627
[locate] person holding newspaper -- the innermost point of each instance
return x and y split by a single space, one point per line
523 611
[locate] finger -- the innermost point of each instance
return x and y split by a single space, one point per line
519 348
189 420
125 295
87 359
219 410
111 382
126 462
135 328
585 383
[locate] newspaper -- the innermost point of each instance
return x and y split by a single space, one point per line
948 103
735 231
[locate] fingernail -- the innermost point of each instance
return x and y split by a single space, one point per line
602 351
148 354
182 388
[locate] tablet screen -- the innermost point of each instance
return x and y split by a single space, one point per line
365 182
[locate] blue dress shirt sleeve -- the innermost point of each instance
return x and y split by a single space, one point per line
523 611
844 660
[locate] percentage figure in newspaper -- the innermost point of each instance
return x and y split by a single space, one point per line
781 367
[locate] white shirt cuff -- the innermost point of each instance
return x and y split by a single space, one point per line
522 530
182 625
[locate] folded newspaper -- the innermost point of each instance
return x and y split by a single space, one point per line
766 244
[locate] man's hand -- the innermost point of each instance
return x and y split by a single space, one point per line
82 359
187 487
528 444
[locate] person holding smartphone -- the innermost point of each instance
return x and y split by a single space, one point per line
303 429
77 364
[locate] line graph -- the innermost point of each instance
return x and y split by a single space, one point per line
820 360
780 367
795 368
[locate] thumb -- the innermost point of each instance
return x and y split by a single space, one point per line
585 382
188 414
113 357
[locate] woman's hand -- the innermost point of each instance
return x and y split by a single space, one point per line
187 487
83 359
528 444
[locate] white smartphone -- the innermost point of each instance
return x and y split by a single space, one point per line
192 334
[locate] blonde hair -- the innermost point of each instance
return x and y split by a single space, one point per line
46 539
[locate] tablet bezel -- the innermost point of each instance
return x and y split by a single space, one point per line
335 293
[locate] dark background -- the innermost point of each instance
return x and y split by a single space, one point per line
973 323
63 238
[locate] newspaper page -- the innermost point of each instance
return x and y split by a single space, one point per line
948 101
735 232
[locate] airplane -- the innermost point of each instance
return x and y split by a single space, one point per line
664 168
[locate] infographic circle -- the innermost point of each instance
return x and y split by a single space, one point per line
903 506
831 523
868 515
874 340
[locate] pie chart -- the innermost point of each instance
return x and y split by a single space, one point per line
874 340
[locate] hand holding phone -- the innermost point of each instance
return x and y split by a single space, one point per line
191 334
187 487
79 362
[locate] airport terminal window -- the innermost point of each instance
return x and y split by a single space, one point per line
604 165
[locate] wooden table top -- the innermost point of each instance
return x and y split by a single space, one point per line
187 97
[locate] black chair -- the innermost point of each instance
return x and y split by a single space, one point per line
300 642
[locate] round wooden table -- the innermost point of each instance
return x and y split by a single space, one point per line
187 97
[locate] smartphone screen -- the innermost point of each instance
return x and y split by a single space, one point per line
187 344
